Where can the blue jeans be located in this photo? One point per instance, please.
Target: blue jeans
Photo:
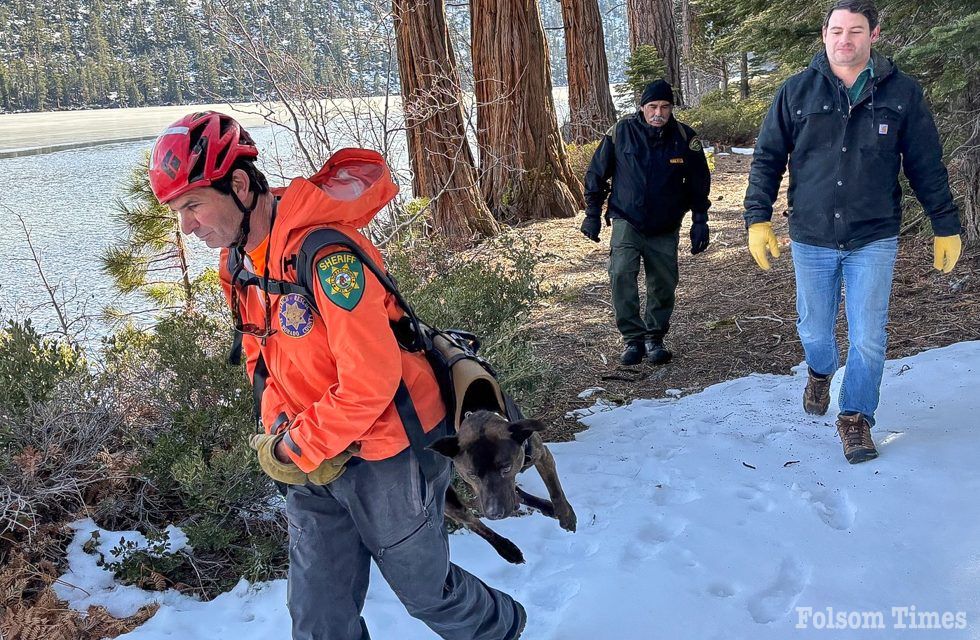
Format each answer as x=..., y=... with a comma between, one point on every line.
x=866, y=274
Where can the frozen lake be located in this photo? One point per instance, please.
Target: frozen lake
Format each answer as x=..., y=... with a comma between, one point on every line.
x=67, y=198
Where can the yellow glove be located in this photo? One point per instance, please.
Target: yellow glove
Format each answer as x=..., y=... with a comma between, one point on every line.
x=265, y=445
x=762, y=238
x=332, y=468
x=947, y=250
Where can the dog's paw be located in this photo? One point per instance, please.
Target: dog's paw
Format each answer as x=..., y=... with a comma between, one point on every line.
x=566, y=519
x=509, y=552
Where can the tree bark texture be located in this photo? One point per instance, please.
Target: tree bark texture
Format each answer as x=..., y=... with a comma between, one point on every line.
x=441, y=160
x=652, y=22
x=743, y=84
x=966, y=172
x=687, y=69
x=524, y=172
x=590, y=104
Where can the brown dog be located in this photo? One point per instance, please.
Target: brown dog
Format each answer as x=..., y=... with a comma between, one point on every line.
x=489, y=452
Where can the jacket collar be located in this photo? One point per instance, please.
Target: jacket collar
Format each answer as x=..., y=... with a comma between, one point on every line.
x=883, y=67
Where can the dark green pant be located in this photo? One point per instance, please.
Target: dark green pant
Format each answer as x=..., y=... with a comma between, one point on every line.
x=659, y=254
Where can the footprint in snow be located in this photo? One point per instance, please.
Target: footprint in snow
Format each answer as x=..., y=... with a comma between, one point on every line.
x=679, y=491
x=666, y=453
x=755, y=497
x=721, y=590
x=834, y=507
x=555, y=594
x=650, y=539
x=777, y=600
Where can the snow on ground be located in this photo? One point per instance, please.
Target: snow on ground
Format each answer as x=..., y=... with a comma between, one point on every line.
x=725, y=514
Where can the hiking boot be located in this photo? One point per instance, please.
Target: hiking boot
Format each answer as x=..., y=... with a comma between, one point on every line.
x=855, y=434
x=657, y=353
x=816, y=396
x=632, y=354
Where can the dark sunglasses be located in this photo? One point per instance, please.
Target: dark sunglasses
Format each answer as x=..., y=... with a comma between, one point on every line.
x=248, y=328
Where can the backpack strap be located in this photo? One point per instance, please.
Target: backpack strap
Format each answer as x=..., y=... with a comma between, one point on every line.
x=682, y=131
x=316, y=240
x=244, y=278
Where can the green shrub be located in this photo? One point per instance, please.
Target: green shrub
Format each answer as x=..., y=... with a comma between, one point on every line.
x=724, y=119
x=151, y=566
x=55, y=429
x=643, y=66
x=189, y=417
x=32, y=367
x=489, y=292
x=580, y=155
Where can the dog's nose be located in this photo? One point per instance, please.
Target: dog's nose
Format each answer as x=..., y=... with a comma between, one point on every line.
x=495, y=512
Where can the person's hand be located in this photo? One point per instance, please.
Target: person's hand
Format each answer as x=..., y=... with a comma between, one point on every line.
x=762, y=239
x=332, y=468
x=947, y=251
x=267, y=446
x=591, y=226
x=699, y=237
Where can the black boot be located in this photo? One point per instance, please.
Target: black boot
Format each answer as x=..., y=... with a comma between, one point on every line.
x=657, y=353
x=632, y=354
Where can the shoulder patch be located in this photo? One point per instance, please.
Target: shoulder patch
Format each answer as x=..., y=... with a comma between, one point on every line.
x=295, y=315
x=341, y=277
x=696, y=145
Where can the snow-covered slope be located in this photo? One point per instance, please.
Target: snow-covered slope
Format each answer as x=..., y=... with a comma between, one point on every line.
x=725, y=514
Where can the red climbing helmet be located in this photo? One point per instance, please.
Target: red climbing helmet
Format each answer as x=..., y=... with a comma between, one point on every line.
x=196, y=151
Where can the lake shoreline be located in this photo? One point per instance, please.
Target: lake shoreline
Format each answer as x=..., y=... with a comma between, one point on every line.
x=33, y=133
x=40, y=132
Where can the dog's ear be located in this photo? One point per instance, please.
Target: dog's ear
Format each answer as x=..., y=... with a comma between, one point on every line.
x=448, y=446
x=524, y=429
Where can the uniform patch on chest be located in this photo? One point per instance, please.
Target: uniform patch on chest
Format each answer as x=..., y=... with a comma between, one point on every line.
x=341, y=277
x=677, y=161
x=295, y=315
x=882, y=129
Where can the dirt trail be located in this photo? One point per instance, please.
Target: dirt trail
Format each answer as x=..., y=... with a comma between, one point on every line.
x=731, y=318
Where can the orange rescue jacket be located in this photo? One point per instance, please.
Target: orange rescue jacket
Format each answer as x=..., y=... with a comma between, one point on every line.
x=334, y=373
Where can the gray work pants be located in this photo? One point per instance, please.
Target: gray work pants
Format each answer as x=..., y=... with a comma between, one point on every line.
x=384, y=510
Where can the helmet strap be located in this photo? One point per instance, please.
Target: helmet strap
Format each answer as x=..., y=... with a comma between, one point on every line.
x=245, y=227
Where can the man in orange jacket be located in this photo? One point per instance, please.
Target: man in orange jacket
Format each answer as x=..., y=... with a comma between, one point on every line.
x=327, y=372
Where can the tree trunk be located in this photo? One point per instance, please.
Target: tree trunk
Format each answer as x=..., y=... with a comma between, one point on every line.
x=524, y=172
x=439, y=152
x=687, y=68
x=966, y=171
x=743, y=84
x=652, y=22
x=185, y=279
x=590, y=103
x=723, y=85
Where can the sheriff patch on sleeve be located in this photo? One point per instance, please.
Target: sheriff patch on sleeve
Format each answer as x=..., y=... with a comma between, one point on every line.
x=696, y=144
x=341, y=277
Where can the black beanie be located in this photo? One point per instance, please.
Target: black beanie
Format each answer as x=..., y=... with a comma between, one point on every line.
x=657, y=90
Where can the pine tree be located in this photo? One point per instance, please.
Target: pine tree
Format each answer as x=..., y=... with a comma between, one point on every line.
x=652, y=23
x=152, y=260
x=643, y=66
